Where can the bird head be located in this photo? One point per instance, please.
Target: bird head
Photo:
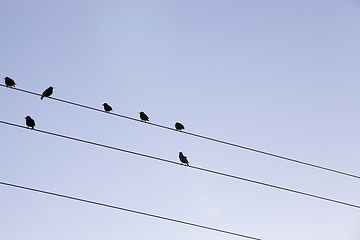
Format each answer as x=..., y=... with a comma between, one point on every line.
x=27, y=117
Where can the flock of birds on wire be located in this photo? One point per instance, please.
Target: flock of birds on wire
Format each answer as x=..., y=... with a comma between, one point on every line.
x=30, y=123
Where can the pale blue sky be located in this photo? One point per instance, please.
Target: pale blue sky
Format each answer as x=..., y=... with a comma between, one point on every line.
x=279, y=76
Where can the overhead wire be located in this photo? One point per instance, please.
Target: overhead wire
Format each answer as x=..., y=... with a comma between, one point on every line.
x=196, y=135
x=129, y=210
x=190, y=166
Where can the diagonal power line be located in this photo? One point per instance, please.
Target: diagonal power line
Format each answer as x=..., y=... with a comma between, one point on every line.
x=128, y=210
x=197, y=135
x=193, y=167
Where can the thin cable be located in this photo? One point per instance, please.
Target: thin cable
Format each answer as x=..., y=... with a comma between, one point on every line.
x=128, y=210
x=197, y=135
x=194, y=167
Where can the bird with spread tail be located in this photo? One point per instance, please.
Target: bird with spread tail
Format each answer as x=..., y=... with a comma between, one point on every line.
x=47, y=92
x=9, y=82
x=183, y=159
x=30, y=122
x=107, y=107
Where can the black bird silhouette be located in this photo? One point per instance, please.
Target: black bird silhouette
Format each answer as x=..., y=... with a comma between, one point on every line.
x=9, y=82
x=30, y=122
x=183, y=159
x=47, y=92
x=107, y=107
x=144, y=117
x=179, y=126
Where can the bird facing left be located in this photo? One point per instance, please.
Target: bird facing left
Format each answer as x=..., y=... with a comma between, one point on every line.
x=9, y=82
x=143, y=117
x=30, y=122
x=183, y=159
x=179, y=126
x=107, y=107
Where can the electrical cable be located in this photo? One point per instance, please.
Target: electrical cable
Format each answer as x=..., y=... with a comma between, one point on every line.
x=196, y=135
x=194, y=167
x=128, y=210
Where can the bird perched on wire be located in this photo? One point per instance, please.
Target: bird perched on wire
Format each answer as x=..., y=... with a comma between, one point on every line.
x=144, y=117
x=47, y=92
x=30, y=122
x=183, y=159
x=179, y=126
x=107, y=107
x=9, y=82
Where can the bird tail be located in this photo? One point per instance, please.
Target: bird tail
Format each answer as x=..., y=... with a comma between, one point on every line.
x=42, y=97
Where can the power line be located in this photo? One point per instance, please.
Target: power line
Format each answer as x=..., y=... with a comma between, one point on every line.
x=194, y=167
x=128, y=210
x=197, y=135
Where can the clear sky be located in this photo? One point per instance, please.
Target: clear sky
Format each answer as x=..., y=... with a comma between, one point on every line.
x=279, y=76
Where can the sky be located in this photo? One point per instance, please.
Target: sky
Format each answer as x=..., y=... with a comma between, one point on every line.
x=278, y=76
